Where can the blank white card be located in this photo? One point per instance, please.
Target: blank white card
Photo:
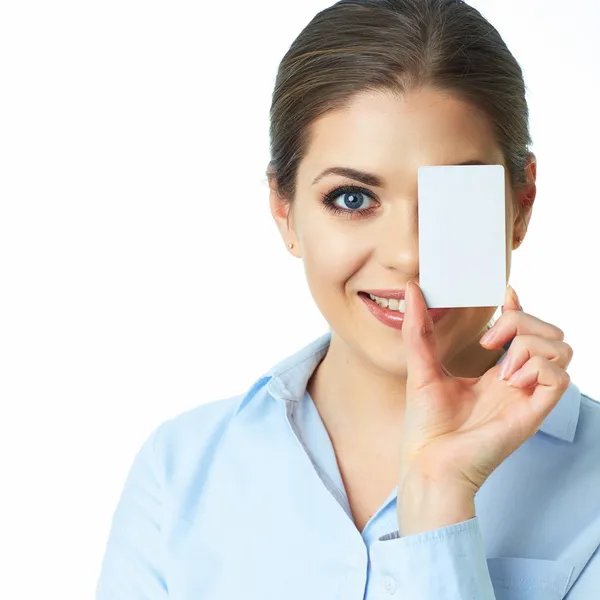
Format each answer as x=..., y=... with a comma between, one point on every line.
x=462, y=235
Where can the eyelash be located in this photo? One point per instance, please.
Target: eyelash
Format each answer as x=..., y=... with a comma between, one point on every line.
x=329, y=197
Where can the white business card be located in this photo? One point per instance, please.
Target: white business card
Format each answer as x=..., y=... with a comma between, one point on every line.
x=462, y=235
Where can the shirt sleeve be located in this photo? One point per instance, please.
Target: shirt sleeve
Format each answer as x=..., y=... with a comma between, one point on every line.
x=132, y=567
x=448, y=562
x=585, y=580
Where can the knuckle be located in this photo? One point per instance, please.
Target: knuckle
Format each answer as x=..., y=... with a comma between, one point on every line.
x=517, y=343
x=503, y=320
x=539, y=361
x=525, y=343
x=511, y=315
x=426, y=330
x=569, y=350
x=564, y=379
x=520, y=348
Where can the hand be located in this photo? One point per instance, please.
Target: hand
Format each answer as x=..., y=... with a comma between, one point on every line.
x=457, y=430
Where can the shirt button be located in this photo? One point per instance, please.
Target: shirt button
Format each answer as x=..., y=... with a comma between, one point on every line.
x=389, y=584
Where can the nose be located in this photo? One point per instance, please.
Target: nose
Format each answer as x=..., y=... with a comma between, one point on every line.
x=397, y=244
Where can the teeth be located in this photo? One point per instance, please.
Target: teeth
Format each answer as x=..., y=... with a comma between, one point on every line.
x=391, y=304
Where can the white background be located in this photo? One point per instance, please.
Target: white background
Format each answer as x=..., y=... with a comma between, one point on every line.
x=140, y=271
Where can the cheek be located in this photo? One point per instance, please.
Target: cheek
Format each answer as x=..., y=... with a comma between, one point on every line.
x=331, y=257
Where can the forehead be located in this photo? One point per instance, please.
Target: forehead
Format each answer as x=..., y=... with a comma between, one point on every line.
x=388, y=134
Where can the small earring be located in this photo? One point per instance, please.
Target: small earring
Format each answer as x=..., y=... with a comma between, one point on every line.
x=518, y=240
x=290, y=245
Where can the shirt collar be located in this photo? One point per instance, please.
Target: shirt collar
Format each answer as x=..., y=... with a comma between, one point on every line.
x=287, y=381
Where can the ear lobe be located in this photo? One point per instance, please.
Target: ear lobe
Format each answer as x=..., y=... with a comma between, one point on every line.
x=281, y=212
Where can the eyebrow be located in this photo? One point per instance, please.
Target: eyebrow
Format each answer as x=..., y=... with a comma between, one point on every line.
x=371, y=178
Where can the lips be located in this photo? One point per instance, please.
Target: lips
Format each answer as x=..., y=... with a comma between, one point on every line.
x=389, y=294
x=394, y=318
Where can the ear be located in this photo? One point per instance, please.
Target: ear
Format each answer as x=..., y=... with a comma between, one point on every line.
x=281, y=210
x=525, y=199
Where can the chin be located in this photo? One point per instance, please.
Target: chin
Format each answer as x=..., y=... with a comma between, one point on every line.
x=385, y=350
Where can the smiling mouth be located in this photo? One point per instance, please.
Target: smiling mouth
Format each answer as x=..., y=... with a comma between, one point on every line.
x=389, y=309
x=389, y=303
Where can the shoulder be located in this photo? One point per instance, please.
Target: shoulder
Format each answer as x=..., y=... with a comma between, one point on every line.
x=204, y=425
x=188, y=447
x=197, y=430
x=587, y=419
x=168, y=473
x=591, y=406
x=194, y=425
x=186, y=443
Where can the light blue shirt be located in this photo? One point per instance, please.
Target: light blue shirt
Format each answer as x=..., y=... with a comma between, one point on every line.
x=242, y=499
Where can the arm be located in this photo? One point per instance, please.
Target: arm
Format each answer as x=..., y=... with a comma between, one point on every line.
x=438, y=552
x=132, y=567
x=585, y=578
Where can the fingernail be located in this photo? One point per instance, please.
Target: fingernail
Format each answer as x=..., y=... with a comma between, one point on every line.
x=489, y=335
x=514, y=377
x=516, y=297
x=504, y=368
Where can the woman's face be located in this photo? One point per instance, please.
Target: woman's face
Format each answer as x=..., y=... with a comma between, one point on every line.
x=366, y=237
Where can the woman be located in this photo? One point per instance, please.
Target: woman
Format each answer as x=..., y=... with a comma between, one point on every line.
x=394, y=455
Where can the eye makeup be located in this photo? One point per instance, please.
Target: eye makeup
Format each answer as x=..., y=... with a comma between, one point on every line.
x=329, y=201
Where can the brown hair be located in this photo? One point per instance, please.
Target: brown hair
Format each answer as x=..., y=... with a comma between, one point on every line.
x=395, y=46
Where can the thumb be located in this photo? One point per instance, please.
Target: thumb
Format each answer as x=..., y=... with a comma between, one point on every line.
x=422, y=365
x=511, y=300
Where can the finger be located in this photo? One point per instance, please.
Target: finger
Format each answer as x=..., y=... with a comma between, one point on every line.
x=422, y=365
x=516, y=322
x=525, y=347
x=511, y=300
x=550, y=380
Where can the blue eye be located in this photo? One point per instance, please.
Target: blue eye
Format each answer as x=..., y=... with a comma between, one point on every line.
x=349, y=199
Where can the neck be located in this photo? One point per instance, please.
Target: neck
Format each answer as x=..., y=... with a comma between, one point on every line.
x=356, y=398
